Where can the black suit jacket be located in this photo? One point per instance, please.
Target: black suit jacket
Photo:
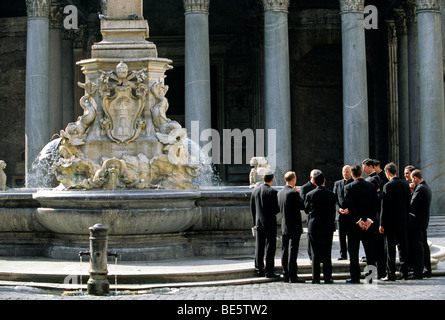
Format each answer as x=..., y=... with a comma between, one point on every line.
x=339, y=190
x=290, y=204
x=320, y=205
x=305, y=189
x=264, y=206
x=383, y=179
x=420, y=206
x=361, y=200
x=396, y=198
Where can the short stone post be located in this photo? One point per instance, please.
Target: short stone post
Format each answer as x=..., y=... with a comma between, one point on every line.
x=98, y=284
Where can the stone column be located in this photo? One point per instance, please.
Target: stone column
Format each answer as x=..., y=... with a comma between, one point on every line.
x=432, y=114
x=277, y=111
x=37, y=86
x=413, y=81
x=393, y=95
x=55, y=67
x=197, y=66
x=67, y=78
x=355, y=91
x=403, y=86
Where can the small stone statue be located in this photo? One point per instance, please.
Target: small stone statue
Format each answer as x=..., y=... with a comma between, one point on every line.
x=2, y=176
x=260, y=167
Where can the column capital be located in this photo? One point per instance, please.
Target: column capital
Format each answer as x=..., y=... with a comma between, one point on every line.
x=38, y=8
x=410, y=9
x=276, y=5
x=428, y=5
x=56, y=15
x=352, y=5
x=196, y=6
x=391, y=32
x=400, y=21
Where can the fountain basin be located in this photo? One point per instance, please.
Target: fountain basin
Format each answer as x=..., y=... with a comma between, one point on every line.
x=145, y=225
x=123, y=212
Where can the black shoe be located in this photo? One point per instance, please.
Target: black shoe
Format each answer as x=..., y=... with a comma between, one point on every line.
x=286, y=279
x=342, y=258
x=297, y=280
x=427, y=274
x=316, y=281
x=352, y=281
x=402, y=277
x=272, y=275
x=415, y=277
x=330, y=281
x=260, y=273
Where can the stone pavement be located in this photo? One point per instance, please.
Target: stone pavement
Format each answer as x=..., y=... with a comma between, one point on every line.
x=206, y=279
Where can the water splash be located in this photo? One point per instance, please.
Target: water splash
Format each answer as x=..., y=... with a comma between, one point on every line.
x=40, y=174
x=208, y=177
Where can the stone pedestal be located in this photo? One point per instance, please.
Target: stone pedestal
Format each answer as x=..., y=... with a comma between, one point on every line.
x=355, y=91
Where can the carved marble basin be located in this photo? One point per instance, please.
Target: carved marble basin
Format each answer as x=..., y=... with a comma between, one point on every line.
x=123, y=212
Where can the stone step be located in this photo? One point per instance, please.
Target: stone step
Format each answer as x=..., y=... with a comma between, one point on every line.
x=437, y=224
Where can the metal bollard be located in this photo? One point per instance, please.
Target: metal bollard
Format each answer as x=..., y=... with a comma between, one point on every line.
x=97, y=283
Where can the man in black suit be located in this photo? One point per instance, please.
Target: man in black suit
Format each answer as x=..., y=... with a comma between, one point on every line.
x=304, y=190
x=360, y=203
x=380, y=173
x=264, y=208
x=339, y=190
x=396, y=199
x=418, y=225
x=320, y=204
x=368, y=168
x=290, y=204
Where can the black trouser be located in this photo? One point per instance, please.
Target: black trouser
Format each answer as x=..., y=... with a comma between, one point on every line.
x=367, y=237
x=426, y=252
x=266, y=242
x=342, y=231
x=397, y=238
x=416, y=242
x=321, y=246
x=290, y=245
x=380, y=254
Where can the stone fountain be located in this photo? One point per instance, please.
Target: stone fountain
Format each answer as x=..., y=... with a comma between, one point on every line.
x=124, y=139
x=126, y=165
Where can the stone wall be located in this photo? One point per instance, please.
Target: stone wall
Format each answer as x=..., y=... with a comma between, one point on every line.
x=316, y=93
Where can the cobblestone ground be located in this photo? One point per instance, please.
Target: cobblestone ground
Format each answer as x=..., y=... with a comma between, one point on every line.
x=427, y=289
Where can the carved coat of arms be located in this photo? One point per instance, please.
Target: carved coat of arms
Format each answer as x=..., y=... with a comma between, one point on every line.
x=123, y=100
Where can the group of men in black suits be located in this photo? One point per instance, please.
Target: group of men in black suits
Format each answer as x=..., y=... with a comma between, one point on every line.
x=383, y=212
x=317, y=201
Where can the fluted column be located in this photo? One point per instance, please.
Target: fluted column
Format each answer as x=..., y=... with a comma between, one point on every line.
x=197, y=66
x=403, y=86
x=432, y=113
x=393, y=95
x=68, y=77
x=355, y=92
x=37, y=85
x=413, y=81
x=277, y=87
